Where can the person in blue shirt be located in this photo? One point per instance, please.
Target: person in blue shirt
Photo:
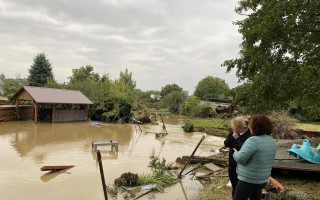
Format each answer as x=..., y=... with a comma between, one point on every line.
x=255, y=159
x=235, y=139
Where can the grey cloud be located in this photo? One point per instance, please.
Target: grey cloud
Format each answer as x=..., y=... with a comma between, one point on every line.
x=179, y=41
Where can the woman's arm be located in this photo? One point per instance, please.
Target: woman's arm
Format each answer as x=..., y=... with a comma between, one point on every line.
x=229, y=141
x=248, y=149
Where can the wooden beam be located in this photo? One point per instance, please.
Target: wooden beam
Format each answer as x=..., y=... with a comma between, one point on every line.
x=53, y=112
x=35, y=117
x=56, y=167
x=17, y=107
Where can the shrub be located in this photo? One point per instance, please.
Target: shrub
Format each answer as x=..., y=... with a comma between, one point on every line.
x=188, y=127
x=206, y=111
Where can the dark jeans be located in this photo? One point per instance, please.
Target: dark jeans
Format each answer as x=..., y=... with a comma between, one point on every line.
x=246, y=190
x=233, y=176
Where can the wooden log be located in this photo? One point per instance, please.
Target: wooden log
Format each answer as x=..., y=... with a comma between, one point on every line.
x=203, y=160
x=56, y=167
x=104, y=186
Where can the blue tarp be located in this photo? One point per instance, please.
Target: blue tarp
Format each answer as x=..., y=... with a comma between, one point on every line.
x=305, y=152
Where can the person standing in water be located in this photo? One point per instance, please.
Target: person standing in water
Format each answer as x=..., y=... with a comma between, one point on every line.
x=235, y=139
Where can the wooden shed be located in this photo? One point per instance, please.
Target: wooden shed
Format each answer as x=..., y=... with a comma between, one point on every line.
x=55, y=105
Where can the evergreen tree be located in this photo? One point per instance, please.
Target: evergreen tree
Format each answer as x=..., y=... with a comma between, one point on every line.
x=40, y=72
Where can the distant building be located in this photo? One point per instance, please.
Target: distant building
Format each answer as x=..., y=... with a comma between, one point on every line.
x=156, y=97
x=222, y=105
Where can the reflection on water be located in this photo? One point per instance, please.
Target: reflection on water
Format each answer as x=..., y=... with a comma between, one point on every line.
x=26, y=147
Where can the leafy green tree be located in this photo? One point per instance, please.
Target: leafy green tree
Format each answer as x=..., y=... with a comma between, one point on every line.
x=142, y=100
x=51, y=83
x=211, y=87
x=190, y=106
x=170, y=88
x=126, y=78
x=12, y=85
x=122, y=91
x=174, y=100
x=90, y=84
x=84, y=73
x=40, y=72
x=280, y=53
x=112, y=99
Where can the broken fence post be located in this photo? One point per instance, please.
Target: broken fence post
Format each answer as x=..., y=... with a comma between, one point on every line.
x=102, y=175
x=179, y=176
x=163, y=126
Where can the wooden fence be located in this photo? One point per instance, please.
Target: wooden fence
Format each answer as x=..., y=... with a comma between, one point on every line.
x=71, y=115
x=9, y=113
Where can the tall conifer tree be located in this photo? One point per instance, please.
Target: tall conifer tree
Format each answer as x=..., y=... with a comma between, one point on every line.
x=40, y=72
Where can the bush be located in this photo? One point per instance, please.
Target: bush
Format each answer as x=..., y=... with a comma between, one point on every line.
x=188, y=127
x=206, y=111
x=311, y=113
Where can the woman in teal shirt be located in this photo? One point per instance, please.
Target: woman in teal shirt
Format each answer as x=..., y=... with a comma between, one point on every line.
x=255, y=159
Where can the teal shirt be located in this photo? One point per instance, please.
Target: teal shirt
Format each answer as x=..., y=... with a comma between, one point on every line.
x=255, y=159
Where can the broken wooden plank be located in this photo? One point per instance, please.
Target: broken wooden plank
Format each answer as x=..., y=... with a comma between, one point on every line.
x=212, y=167
x=203, y=160
x=56, y=167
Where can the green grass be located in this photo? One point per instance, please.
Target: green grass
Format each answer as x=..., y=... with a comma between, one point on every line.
x=221, y=123
x=217, y=189
x=214, y=123
x=162, y=180
x=312, y=126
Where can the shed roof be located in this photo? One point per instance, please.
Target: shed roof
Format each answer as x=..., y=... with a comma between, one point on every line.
x=53, y=95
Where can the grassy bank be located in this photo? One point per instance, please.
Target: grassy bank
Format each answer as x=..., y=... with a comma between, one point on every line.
x=218, y=123
x=299, y=182
x=312, y=126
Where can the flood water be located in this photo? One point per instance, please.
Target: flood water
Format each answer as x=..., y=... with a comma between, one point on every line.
x=25, y=147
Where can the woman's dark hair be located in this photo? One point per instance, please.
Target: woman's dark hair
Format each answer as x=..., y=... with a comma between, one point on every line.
x=260, y=125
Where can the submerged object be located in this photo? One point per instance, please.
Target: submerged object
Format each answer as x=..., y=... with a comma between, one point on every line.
x=56, y=167
x=305, y=152
x=95, y=123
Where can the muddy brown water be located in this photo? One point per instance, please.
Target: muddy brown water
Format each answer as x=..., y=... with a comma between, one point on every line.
x=25, y=147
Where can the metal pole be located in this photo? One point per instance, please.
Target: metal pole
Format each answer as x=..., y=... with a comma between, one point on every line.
x=179, y=176
x=102, y=176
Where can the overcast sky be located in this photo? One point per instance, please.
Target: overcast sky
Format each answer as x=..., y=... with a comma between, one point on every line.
x=160, y=41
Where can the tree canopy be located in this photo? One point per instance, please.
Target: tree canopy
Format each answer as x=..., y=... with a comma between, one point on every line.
x=280, y=53
x=211, y=87
x=174, y=100
x=40, y=71
x=83, y=73
x=11, y=85
x=170, y=88
x=126, y=78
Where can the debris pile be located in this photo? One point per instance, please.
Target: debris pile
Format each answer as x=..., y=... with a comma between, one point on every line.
x=127, y=179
